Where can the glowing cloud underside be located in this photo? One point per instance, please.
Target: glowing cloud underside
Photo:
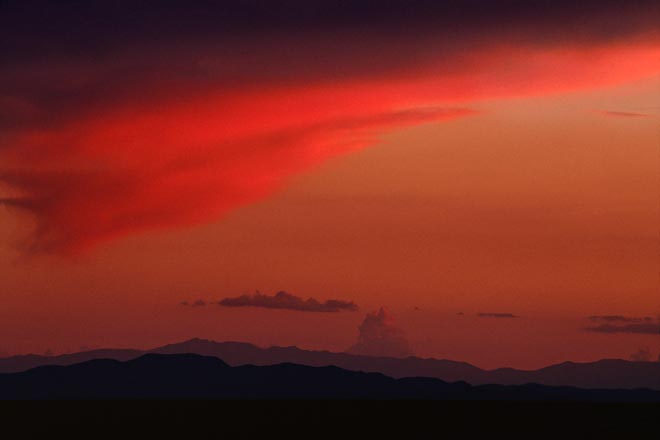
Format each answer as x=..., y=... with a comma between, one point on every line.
x=151, y=133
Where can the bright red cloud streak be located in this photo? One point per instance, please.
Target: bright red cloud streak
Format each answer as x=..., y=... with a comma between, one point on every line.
x=178, y=156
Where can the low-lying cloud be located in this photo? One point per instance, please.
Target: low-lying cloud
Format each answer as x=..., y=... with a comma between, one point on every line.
x=642, y=329
x=379, y=336
x=497, y=315
x=620, y=318
x=287, y=301
x=620, y=114
x=198, y=303
x=641, y=355
x=644, y=325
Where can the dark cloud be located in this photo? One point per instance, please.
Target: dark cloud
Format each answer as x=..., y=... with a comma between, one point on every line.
x=284, y=300
x=80, y=28
x=643, y=329
x=641, y=355
x=619, y=319
x=379, y=336
x=645, y=325
x=198, y=303
x=497, y=315
x=122, y=117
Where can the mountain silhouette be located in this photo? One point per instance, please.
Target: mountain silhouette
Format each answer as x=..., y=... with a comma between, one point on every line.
x=606, y=374
x=195, y=376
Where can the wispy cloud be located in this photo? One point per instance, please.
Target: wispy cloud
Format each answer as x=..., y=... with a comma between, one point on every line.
x=621, y=114
x=643, y=329
x=161, y=117
x=620, y=318
x=645, y=325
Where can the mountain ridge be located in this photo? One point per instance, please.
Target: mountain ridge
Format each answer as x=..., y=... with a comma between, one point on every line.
x=177, y=376
x=604, y=373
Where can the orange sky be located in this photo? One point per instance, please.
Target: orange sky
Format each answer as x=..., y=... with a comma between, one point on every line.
x=542, y=207
x=445, y=162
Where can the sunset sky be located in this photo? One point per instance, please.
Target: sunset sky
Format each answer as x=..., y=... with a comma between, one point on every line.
x=489, y=172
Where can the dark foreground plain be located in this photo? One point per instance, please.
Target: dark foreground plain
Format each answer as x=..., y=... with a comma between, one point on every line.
x=192, y=396
x=311, y=419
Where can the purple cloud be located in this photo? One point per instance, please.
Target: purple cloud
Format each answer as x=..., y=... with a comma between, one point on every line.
x=287, y=301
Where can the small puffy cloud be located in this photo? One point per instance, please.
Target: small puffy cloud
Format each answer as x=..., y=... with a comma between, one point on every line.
x=641, y=355
x=379, y=336
x=198, y=303
x=496, y=315
x=287, y=301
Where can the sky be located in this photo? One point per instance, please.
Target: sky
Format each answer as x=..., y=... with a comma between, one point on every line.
x=487, y=173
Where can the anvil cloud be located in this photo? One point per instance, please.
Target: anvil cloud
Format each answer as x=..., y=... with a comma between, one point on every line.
x=117, y=118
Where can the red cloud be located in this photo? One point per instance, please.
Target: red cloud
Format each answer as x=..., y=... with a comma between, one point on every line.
x=171, y=135
x=97, y=180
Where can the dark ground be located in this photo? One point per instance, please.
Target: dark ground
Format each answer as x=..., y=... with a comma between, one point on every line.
x=126, y=419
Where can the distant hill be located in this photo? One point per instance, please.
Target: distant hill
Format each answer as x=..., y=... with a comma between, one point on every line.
x=610, y=373
x=15, y=364
x=194, y=376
